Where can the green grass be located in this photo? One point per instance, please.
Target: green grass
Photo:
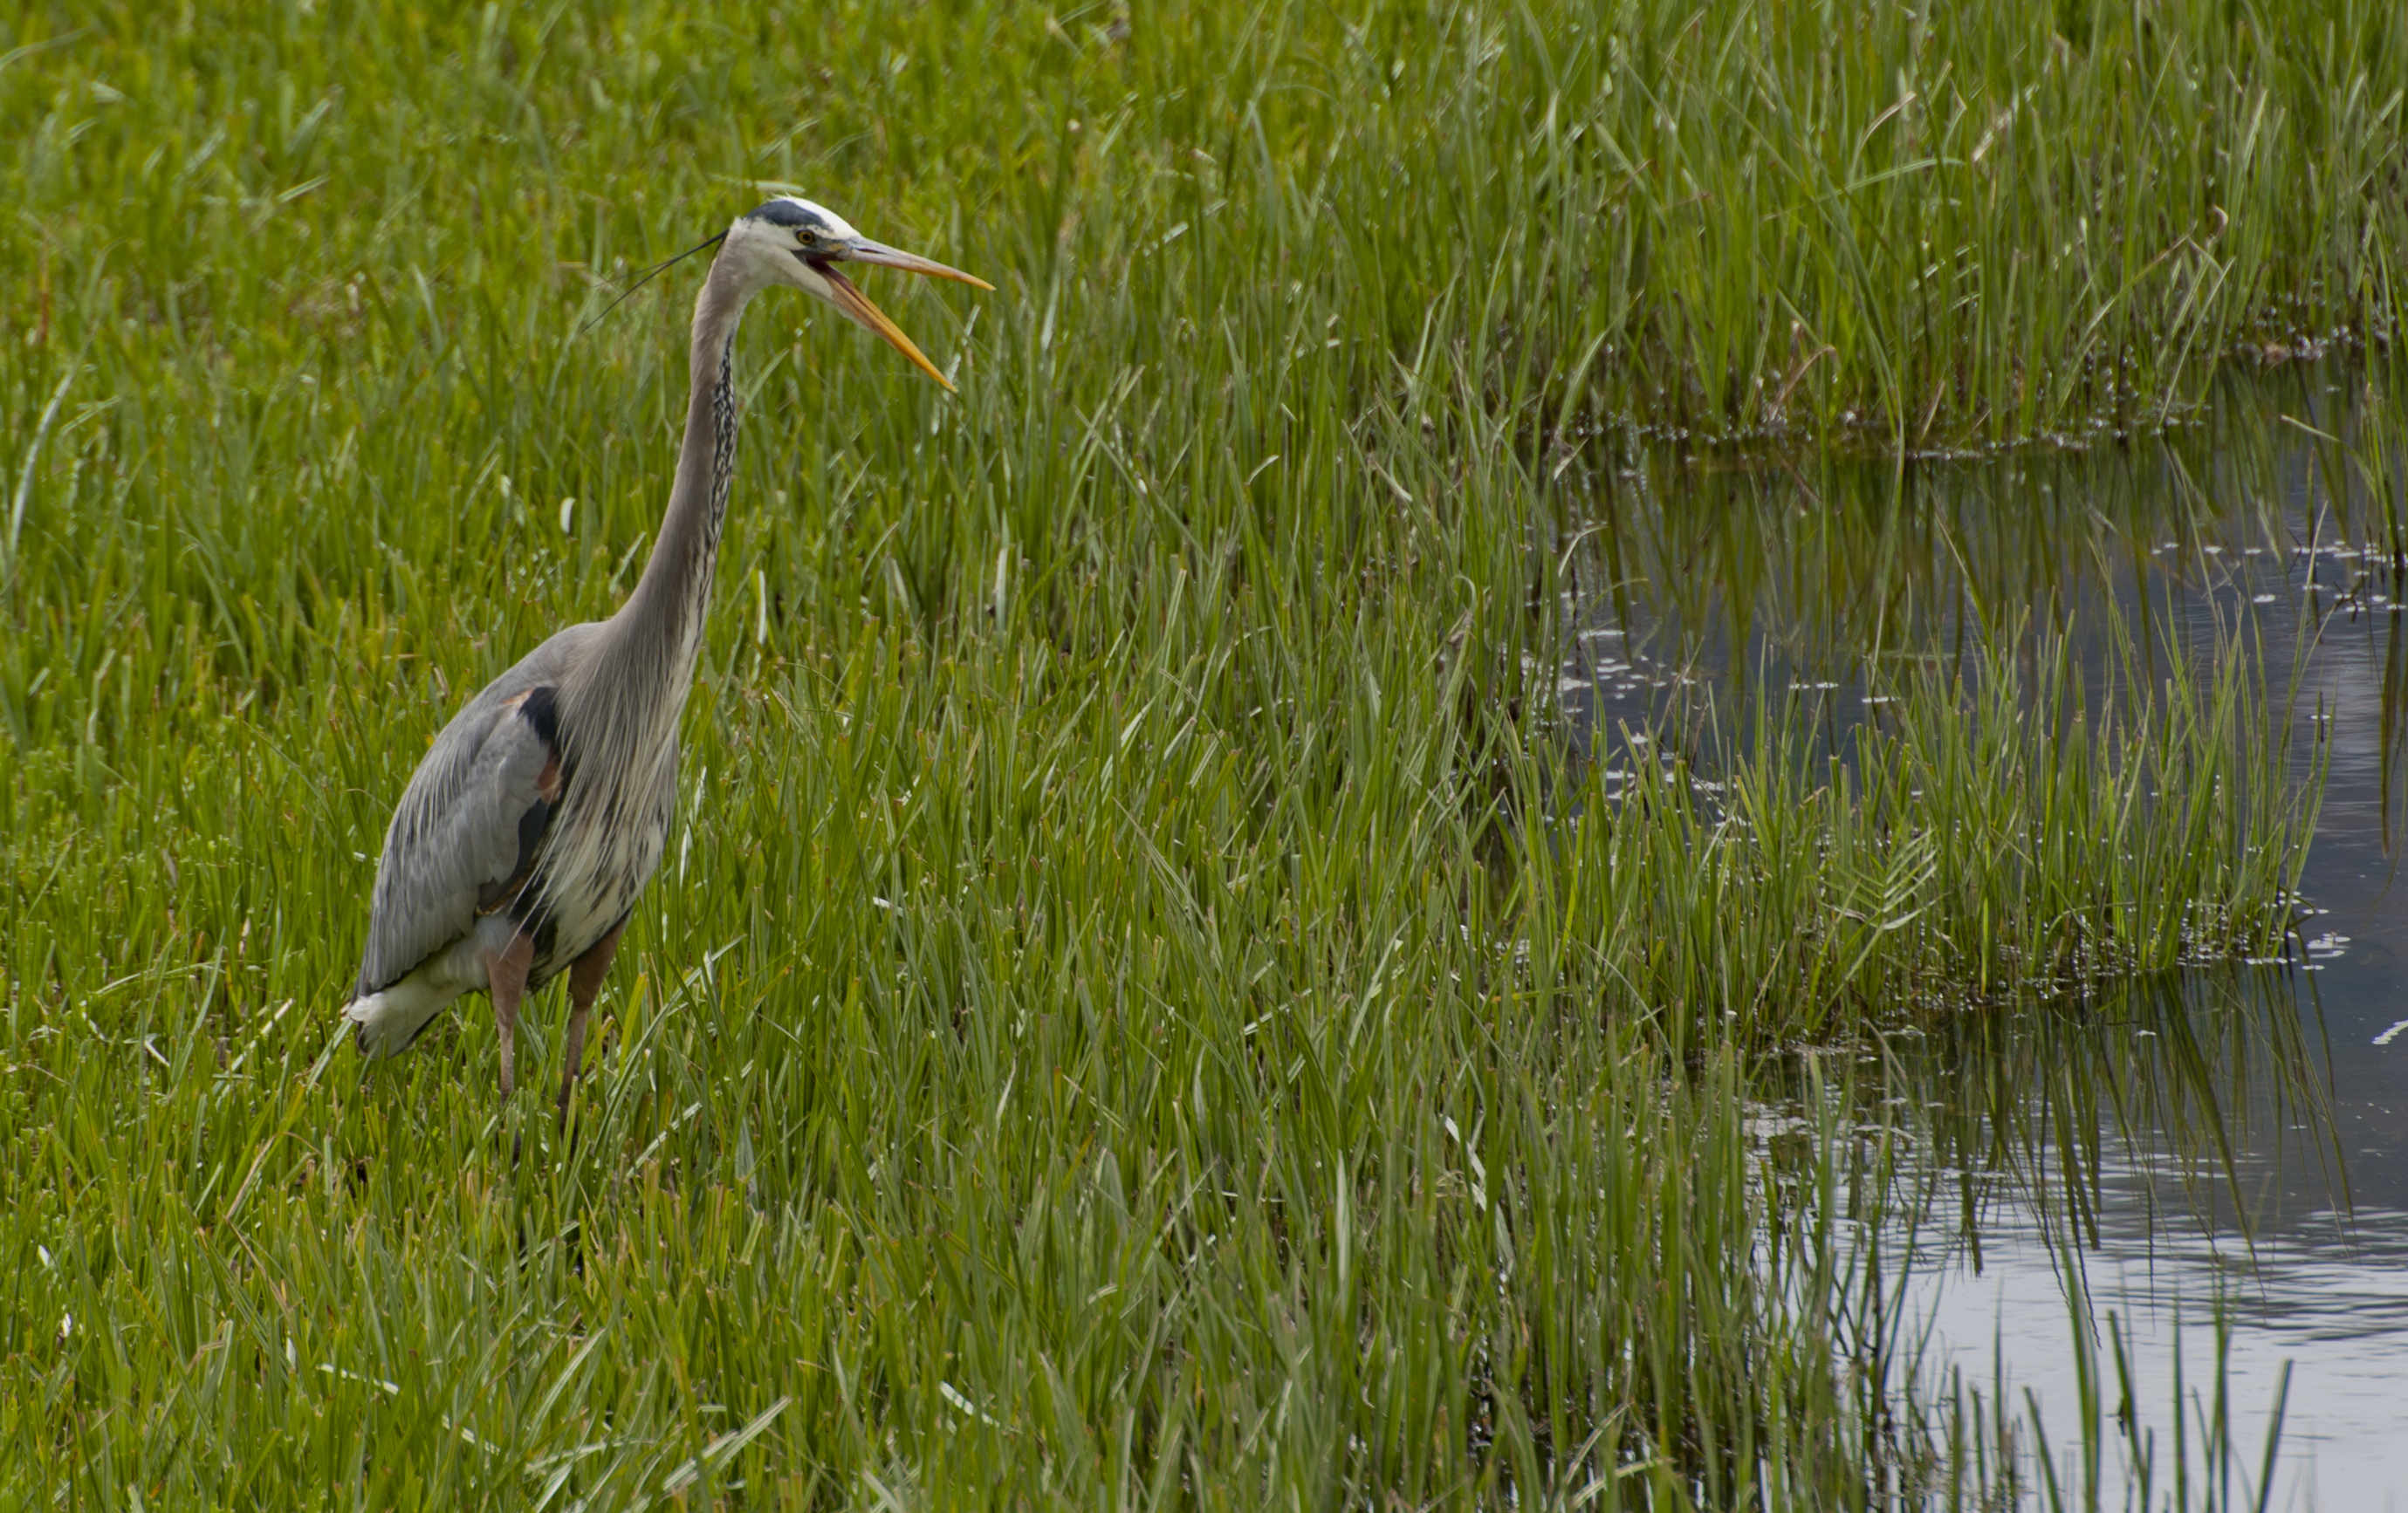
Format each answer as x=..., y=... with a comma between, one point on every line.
x=1141, y=1007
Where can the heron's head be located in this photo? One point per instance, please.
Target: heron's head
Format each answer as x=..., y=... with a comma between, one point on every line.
x=795, y=242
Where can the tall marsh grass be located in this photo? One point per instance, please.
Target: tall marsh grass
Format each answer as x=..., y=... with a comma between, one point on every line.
x=1138, y=1008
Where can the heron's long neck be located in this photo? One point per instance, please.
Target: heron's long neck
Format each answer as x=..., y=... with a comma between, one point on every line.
x=660, y=627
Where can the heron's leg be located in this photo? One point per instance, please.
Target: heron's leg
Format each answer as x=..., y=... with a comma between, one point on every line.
x=586, y=976
x=505, y=975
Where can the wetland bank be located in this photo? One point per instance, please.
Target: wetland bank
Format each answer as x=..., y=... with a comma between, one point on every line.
x=1274, y=905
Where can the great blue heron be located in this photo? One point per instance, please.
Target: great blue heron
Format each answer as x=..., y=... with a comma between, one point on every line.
x=525, y=837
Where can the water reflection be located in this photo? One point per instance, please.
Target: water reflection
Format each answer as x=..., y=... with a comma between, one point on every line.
x=2218, y=1159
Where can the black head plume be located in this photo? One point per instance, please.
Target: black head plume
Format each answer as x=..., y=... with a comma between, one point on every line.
x=647, y=276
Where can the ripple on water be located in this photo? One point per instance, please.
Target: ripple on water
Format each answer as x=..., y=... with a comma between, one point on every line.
x=2264, y=1181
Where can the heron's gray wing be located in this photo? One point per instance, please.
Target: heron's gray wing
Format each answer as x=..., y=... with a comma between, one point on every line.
x=465, y=834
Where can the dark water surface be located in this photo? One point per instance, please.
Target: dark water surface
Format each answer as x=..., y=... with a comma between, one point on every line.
x=2211, y=1163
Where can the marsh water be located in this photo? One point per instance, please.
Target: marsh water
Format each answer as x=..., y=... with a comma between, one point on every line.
x=2154, y=1225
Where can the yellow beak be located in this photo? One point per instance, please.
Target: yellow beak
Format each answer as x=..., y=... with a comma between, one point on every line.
x=847, y=296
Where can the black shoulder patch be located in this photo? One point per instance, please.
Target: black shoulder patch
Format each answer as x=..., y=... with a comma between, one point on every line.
x=541, y=709
x=499, y=893
x=531, y=825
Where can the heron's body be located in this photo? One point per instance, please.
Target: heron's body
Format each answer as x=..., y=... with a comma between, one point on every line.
x=526, y=835
x=459, y=881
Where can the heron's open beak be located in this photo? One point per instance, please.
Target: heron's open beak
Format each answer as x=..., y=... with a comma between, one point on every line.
x=848, y=297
